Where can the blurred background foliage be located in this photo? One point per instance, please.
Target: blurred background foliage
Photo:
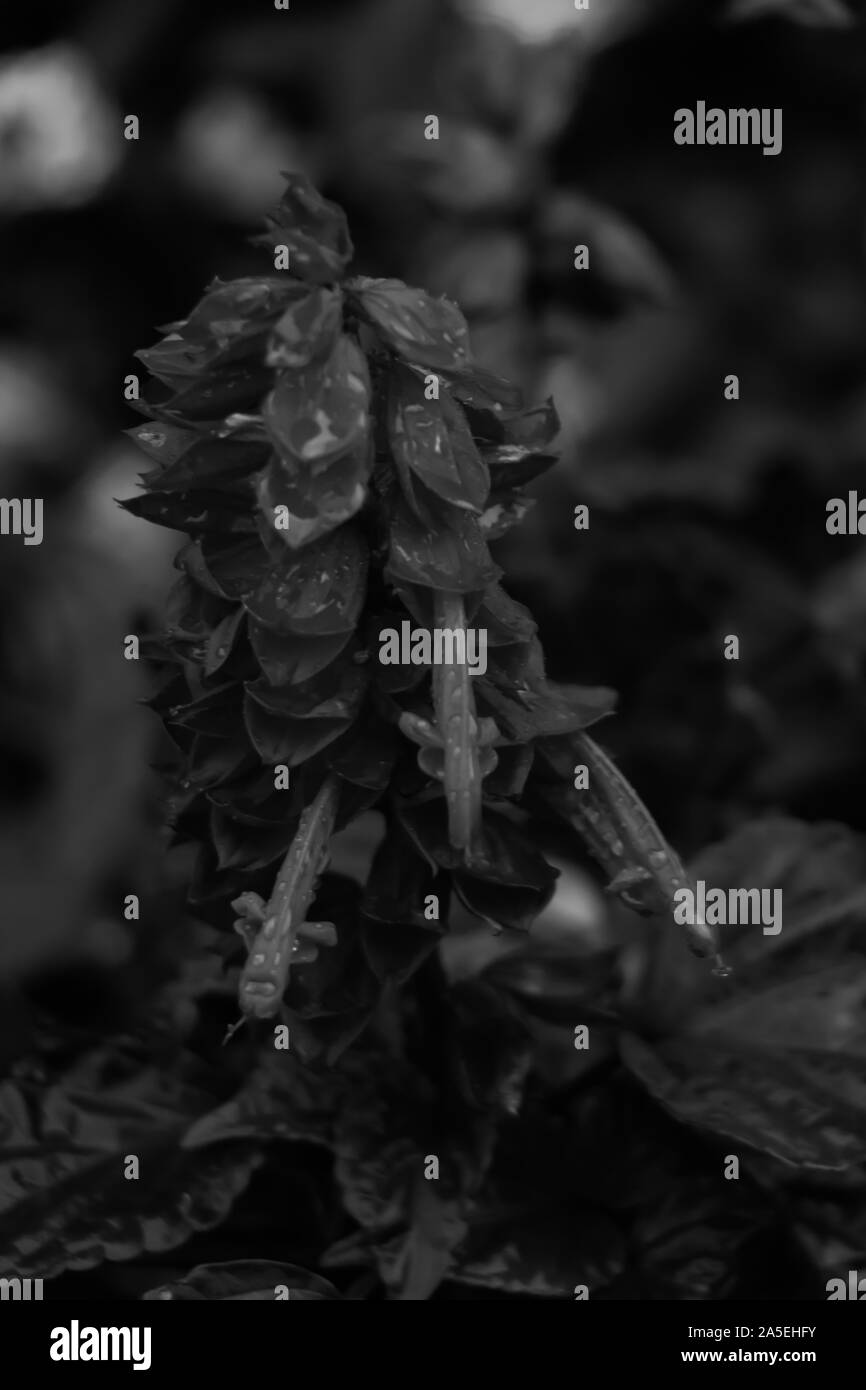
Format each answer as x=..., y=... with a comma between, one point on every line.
x=707, y=516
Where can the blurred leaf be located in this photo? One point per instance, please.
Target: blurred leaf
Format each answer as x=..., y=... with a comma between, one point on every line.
x=622, y=256
x=516, y=1223
x=70, y=1135
x=803, y=1102
x=246, y=1281
x=834, y=13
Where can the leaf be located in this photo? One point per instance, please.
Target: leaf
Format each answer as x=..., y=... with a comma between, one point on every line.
x=780, y=1070
x=506, y=881
x=208, y=463
x=315, y=503
x=533, y=428
x=513, y=465
x=515, y=1241
x=194, y=512
x=235, y=565
x=233, y=316
x=214, y=713
x=69, y=1135
x=280, y=1098
x=538, y=708
x=399, y=881
x=223, y=641
x=315, y=415
x=623, y=257
x=240, y=847
x=485, y=392
x=313, y=228
x=505, y=620
x=473, y=172
x=366, y=756
x=556, y=985
x=834, y=13
x=383, y=1133
x=530, y=429
x=164, y=443
x=214, y=761
x=285, y=729
x=286, y=658
x=218, y=394
x=432, y=440
x=490, y=1080
x=817, y=868
x=315, y=593
x=342, y=681
x=307, y=331
x=174, y=361
x=453, y=556
x=246, y=1281
x=421, y=330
